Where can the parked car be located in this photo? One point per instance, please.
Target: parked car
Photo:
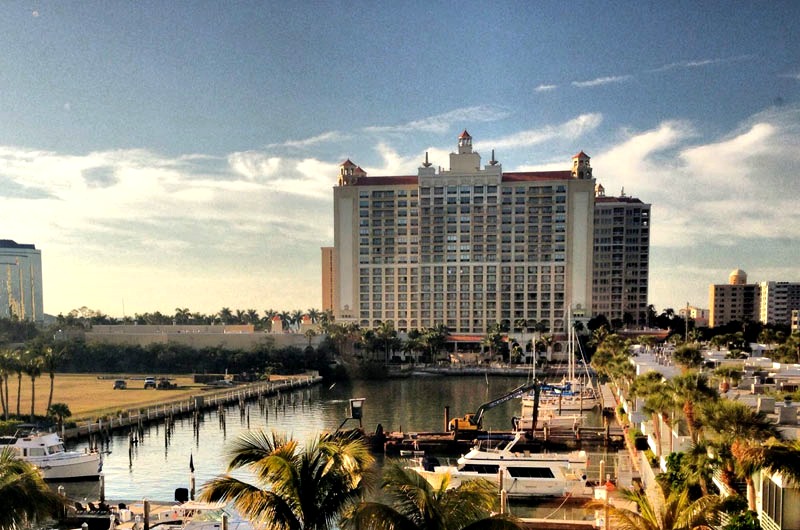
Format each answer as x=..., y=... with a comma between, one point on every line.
x=165, y=384
x=149, y=382
x=120, y=384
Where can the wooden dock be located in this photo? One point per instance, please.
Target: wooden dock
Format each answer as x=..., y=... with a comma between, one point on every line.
x=195, y=404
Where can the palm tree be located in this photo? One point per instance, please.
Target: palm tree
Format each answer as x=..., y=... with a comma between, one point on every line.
x=688, y=389
x=60, y=411
x=658, y=401
x=773, y=456
x=296, y=487
x=417, y=505
x=225, y=315
x=677, y=512
x=182, y=315
x=52, y=358
x=24, y=496
x=735, y=427
x=18, y=367
x=32, y=366
x=313, y=314
x=297, y=317
x=6, y=368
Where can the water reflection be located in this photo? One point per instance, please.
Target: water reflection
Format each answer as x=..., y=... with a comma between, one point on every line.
x=154, y=461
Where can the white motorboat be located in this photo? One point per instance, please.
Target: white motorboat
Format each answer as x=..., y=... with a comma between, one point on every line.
x=46, y=451
x=523, y=474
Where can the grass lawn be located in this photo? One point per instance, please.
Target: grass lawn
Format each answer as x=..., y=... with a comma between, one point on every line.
x=92, y=395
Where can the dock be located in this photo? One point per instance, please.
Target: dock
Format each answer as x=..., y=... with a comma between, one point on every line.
x=170, y=409
x=459, y=442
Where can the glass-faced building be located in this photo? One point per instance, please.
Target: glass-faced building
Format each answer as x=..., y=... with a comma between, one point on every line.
x=20, y=281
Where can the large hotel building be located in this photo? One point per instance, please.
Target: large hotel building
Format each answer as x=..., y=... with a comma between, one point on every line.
x=467, y=246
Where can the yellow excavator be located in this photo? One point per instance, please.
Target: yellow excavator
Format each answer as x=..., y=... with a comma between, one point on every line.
x=474, y=421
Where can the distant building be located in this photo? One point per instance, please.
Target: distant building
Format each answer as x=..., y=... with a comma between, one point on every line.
x=328, y=275
x=20, y=281
x=778, y=299
x=770, y=302
x=735, y=301
x=698, y=314
x=466, y=247
x=621, y=258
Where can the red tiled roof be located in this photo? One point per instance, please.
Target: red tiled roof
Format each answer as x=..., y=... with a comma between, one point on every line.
x=464, y=134
x=347, y=163
x=536, y=175
x=386, y=181
x=632, y=200
x=581, y=154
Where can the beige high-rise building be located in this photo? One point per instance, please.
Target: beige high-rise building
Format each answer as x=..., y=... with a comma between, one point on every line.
x=466, y=247
x=735, y=301
x=621, y=258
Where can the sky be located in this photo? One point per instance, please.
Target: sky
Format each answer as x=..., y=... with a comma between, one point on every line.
x=183, y=154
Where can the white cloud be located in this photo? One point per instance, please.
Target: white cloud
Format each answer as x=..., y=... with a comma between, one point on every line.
x=330, y=136
x=602, y=81
x=571, y=129
x=442, y=123
x=545, y=88
x=698, y=63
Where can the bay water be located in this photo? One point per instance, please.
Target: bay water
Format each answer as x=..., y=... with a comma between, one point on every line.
x=158, y=463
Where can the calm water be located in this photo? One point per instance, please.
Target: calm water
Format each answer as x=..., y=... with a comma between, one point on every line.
x=160, y=464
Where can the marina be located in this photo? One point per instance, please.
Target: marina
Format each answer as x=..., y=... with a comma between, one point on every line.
x=156, y=466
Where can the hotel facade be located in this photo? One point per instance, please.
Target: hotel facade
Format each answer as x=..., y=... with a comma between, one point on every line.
x=466, y=247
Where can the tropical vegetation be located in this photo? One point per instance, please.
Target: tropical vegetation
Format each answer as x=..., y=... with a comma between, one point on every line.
x=411, y=503
x=24, y=496
x=296, y=486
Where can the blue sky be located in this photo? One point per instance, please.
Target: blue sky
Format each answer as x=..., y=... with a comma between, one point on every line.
x=166, y=154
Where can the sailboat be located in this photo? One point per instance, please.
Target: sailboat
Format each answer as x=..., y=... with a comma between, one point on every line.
x=573, y=394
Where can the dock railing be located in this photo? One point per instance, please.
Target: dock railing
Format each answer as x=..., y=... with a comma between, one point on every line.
x=206, y=400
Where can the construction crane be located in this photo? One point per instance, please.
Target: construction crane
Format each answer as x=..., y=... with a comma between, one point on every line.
x=474, y=421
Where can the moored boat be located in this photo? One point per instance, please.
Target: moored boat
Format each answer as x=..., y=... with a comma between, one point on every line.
x=47, y=452
x=523, y=473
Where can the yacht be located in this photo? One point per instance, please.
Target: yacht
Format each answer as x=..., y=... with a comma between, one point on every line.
x=523, y=474
x=46, y=451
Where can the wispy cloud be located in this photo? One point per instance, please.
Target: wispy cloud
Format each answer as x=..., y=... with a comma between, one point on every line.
x=330, y=136
x=698, y=63
x=795, y=76
x=545, y=88
x=602, y=81
x=571, y=129
x=444, y=122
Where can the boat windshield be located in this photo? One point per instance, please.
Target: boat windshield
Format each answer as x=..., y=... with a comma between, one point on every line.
x=57, y=448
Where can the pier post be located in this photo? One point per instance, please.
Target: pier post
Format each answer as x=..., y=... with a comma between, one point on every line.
x=146, y=508
x=446, y=418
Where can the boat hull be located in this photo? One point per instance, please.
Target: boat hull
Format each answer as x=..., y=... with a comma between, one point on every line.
x=74, y=466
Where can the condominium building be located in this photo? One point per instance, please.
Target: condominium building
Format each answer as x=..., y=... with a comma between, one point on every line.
x=770, y=302
x=20, y=281
x=777, y=301
x=466, y=247
x=735, y=301
x=621, y=258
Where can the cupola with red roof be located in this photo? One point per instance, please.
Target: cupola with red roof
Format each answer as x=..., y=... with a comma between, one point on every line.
x=349, y=173
x=581, y=168
x=464, y=143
